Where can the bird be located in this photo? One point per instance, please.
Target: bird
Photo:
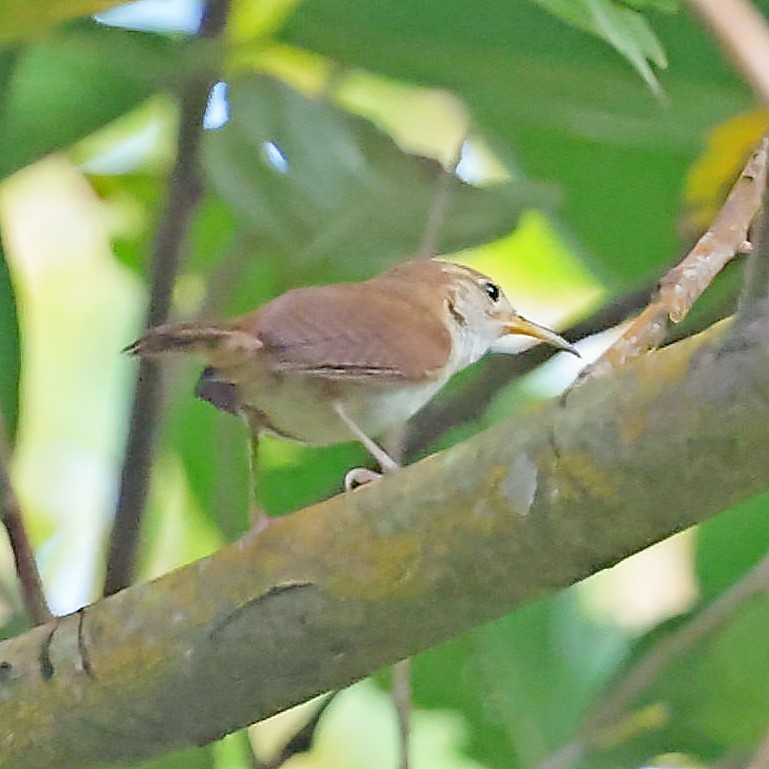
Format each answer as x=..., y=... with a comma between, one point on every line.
x=334, y=363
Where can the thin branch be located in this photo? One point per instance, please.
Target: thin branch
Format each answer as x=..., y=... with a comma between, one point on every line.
x=428, y=247
x=682, y=285
x=184, y=193
x=616, y=703
x=499, y=370
x=743, y=33
x=23, y=555
x=439, y=206
x=705, y=623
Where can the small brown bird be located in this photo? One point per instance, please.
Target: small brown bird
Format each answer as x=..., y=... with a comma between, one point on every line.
x=328, y=364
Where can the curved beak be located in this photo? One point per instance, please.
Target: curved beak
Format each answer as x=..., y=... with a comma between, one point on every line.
x=519, y=325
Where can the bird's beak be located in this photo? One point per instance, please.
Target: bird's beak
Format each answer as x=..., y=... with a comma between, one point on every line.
x=519, y=325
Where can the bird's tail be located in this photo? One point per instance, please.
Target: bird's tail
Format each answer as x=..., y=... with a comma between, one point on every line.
x=206, y=340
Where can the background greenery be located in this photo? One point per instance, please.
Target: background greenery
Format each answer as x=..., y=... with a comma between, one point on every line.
x=600, y=137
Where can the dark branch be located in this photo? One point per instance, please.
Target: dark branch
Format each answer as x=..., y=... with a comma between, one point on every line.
x=23, y=556
x=755, y=291
x=498, y=371
x=184, y=193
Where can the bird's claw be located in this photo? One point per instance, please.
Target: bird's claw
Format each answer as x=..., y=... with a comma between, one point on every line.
x=359, y=476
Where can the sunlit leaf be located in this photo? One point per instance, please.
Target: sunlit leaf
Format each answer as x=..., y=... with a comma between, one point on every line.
x=67, y=87
x=322, y=186
x=550, y=100
x=710, y=177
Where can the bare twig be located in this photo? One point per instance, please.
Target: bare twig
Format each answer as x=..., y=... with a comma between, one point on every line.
x=439, y=206
x=707, y=622
x=23, y=556
x=615, y=704
x=183, y=195
x=685, y=283
x=743, y=33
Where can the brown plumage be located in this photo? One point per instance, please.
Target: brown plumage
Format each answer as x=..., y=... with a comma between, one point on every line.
x=377, y=351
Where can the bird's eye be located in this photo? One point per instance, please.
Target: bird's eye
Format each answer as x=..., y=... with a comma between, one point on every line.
x=492, y=291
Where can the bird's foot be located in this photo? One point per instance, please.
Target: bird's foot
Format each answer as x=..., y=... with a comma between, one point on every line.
x=359, y=476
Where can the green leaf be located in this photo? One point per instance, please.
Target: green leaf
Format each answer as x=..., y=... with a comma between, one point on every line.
x=624, y=29
x=214, y=450
x=194, y=758
x=521, y=683
x=730, y=544
x=709, y=701
x=67, y=87
x=344, y=192
x=14, y=625
x=553, y=102
x=665, y=6
x=10, y=350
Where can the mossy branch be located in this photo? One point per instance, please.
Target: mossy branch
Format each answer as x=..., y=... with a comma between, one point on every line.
x=335, y=591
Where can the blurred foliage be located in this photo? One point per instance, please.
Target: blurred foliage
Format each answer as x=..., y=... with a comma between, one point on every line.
x=31, y=20
x=524, y=681
x=611, y=164
x=563, y=109
x=60, y=90
x=10, y=353
x=624, y=29
x=361, y=196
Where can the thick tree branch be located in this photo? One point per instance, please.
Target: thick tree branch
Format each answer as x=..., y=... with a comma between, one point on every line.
x=184, y=192
x=327, y=595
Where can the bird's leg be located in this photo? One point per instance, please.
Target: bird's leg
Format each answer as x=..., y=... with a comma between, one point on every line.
x=360, y=475
x=386, y=462
x=259, y=518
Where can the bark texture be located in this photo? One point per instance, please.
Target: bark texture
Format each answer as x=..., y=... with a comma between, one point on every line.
x=335, y=591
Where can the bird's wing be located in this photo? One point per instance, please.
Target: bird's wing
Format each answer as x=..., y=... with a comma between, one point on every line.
x=340, y=333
